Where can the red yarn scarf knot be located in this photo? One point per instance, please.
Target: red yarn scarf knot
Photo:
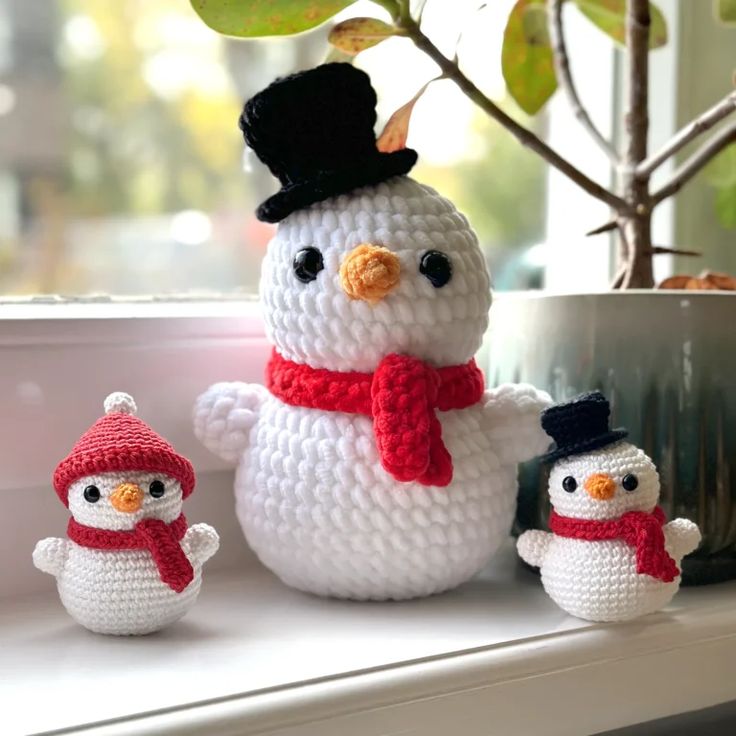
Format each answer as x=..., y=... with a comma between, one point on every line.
x=158, y=537
x=639, y=529
x=401, y=396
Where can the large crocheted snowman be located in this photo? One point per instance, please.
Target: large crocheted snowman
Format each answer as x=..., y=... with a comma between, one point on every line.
x=610, y=556
x=131, y=564
x=373, y=464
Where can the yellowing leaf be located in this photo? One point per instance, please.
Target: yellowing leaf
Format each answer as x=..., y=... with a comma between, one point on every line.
x=610, y=17
x=254, y=18
x=357, y=34
x=526, y=56
x=726, y=10
x=394, y=135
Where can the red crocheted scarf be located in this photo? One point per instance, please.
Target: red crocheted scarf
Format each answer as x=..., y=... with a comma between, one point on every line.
x=158, y=537
x=638, y=529
x=401, y=396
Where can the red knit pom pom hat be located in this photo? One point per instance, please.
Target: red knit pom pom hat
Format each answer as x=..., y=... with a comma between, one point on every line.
x=120, y=441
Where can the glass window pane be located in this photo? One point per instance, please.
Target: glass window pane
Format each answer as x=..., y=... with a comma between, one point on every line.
x=122, y=168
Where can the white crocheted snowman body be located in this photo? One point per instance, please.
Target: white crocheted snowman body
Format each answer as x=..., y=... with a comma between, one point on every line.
x=599, y=580
x=120, y=592
x=312, y=496
x=321, y=512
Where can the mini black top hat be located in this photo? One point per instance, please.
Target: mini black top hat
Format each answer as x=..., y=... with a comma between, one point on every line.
x=314, y=131
x=579, y=426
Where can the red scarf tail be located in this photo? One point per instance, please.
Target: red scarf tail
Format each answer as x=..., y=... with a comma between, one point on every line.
x=173, y=565
x=408, y=432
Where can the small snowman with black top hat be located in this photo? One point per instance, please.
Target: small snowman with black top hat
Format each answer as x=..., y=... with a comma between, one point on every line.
x=609, y=556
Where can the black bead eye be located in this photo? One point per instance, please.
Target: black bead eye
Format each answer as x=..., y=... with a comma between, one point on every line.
x=92, y=494
x=436, y=267
x=307, y=264
x=630, y=482
x=569, y=484
x=157, y=489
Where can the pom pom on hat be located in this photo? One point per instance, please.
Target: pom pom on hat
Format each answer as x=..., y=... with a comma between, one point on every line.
x=121, y=403
x=120, y=441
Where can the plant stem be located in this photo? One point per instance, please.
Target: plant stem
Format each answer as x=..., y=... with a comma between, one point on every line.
x=695, y=163
x=637, y=226
x=565, y=80
x=704, y=122
x=525, y=136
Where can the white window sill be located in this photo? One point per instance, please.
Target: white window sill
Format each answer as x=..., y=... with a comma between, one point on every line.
x=255, y=657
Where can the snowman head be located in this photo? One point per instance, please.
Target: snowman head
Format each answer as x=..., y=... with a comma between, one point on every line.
x=604, y=483
x=120, y=472
x=389, y=268
x=365, y=261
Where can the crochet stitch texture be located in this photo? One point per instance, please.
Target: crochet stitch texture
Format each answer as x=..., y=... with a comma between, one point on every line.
x=400, y=397
x=610, y=555
x=314, y=131
x=131, y=564
x=313, y=498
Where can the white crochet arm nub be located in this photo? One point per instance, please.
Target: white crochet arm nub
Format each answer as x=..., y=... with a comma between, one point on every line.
x=200, y=542
x=682, y=537
x=224, y=415
x=50, y=555
x=532, y=546
x=512, y=419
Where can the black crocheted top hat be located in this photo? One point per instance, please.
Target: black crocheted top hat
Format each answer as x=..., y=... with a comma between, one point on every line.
x=314, y=131
x=579, y=426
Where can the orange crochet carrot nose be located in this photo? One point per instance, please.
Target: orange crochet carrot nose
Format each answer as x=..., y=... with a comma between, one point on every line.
x=369, y=272
x=600, y=486
x=127, y=497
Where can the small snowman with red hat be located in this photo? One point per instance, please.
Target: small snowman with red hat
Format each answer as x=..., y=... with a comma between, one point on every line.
x=610, y=556
x=131, y=564
x=374, y=464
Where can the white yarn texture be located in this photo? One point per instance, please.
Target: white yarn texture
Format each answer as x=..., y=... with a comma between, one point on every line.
x=311, y=495
x=120, y=591
x=598, y=580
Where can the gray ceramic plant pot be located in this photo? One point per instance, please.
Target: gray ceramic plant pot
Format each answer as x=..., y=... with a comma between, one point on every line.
x=667, y=362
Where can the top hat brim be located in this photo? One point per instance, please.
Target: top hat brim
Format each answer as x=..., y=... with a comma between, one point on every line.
x=326, y=184
x=587, y=445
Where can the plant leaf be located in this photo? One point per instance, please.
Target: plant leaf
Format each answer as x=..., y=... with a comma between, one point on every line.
x=395, y=132
x=726, y=206
x=526, y=56
x=610, y=17
x=357, y=34
x=726, y=10
x=255, y=18
x=721, y=171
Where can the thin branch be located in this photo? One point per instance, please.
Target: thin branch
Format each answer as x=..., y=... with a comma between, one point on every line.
x=692, y=130
x=618, y=279
x=638, y=22
x=525, y=136
x=695, y=163
x=565, y=80
x=662, y=249
x=607, y=227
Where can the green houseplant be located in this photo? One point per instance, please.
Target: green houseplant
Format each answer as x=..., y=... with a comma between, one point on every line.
x=673, y=385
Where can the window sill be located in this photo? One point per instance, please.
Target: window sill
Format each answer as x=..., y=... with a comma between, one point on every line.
x=255, y=657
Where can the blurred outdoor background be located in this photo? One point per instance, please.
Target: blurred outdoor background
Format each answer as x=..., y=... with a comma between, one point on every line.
x=123, y=172
x=122, y=169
